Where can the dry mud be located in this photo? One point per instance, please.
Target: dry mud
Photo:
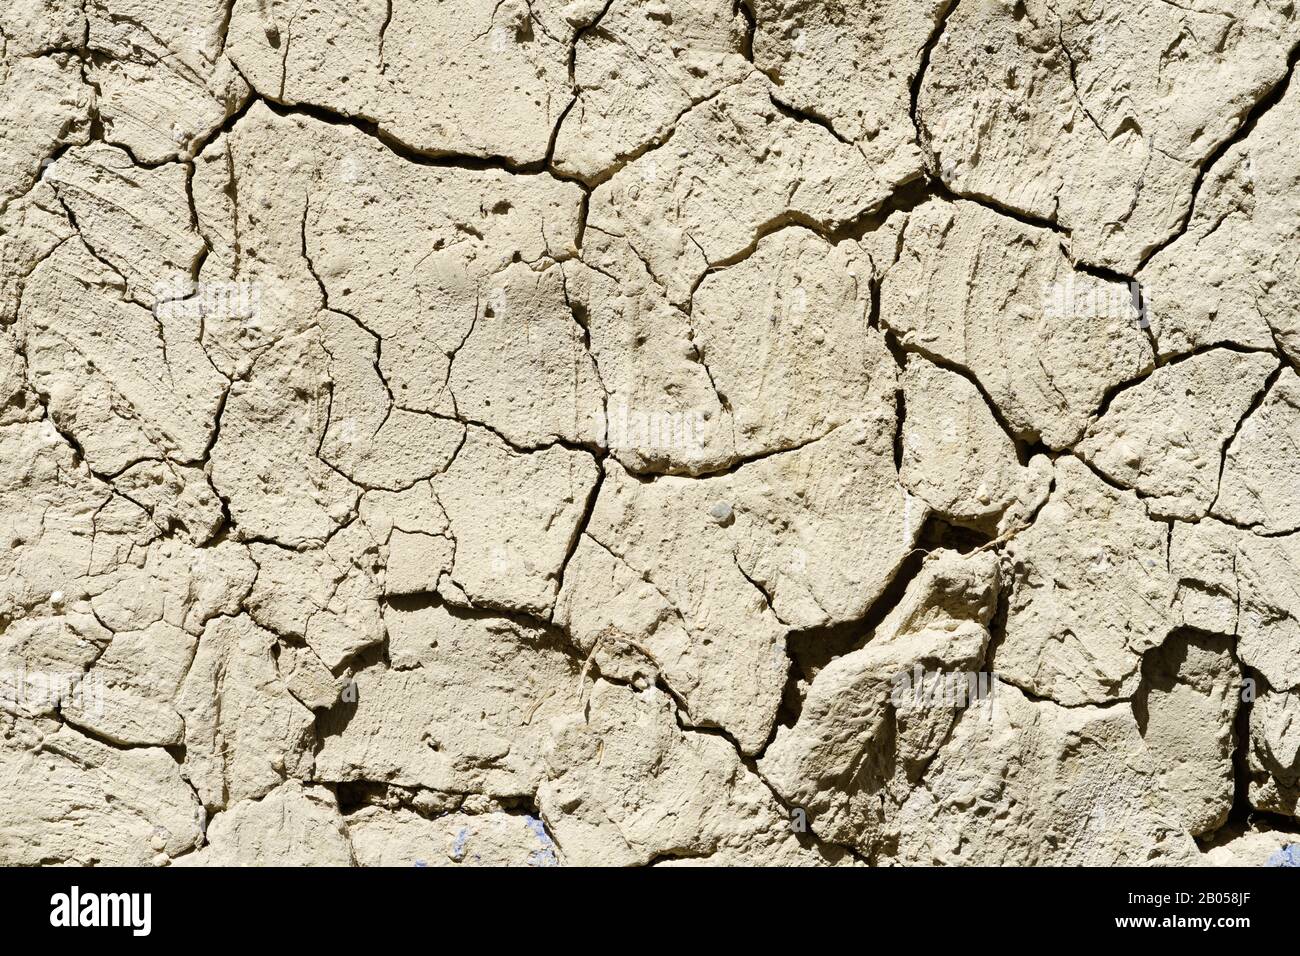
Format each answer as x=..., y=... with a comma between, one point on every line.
x=627, y=432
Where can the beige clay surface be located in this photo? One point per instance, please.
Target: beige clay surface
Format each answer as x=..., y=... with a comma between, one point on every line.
x=636, y=432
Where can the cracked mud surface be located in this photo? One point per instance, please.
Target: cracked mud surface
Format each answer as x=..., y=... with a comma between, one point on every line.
x=518, y=432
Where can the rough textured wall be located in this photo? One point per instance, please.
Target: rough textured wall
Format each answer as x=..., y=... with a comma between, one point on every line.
x=649, y=431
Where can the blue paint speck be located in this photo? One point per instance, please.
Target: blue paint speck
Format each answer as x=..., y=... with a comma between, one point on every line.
x=420, y=863
x=1287, y=856
x=546, y=855
x=458, y=848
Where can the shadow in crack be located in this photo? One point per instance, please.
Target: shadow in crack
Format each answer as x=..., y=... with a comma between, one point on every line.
x=811, y=650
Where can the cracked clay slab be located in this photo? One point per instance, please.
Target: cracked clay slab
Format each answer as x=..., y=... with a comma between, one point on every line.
x=649, y=432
